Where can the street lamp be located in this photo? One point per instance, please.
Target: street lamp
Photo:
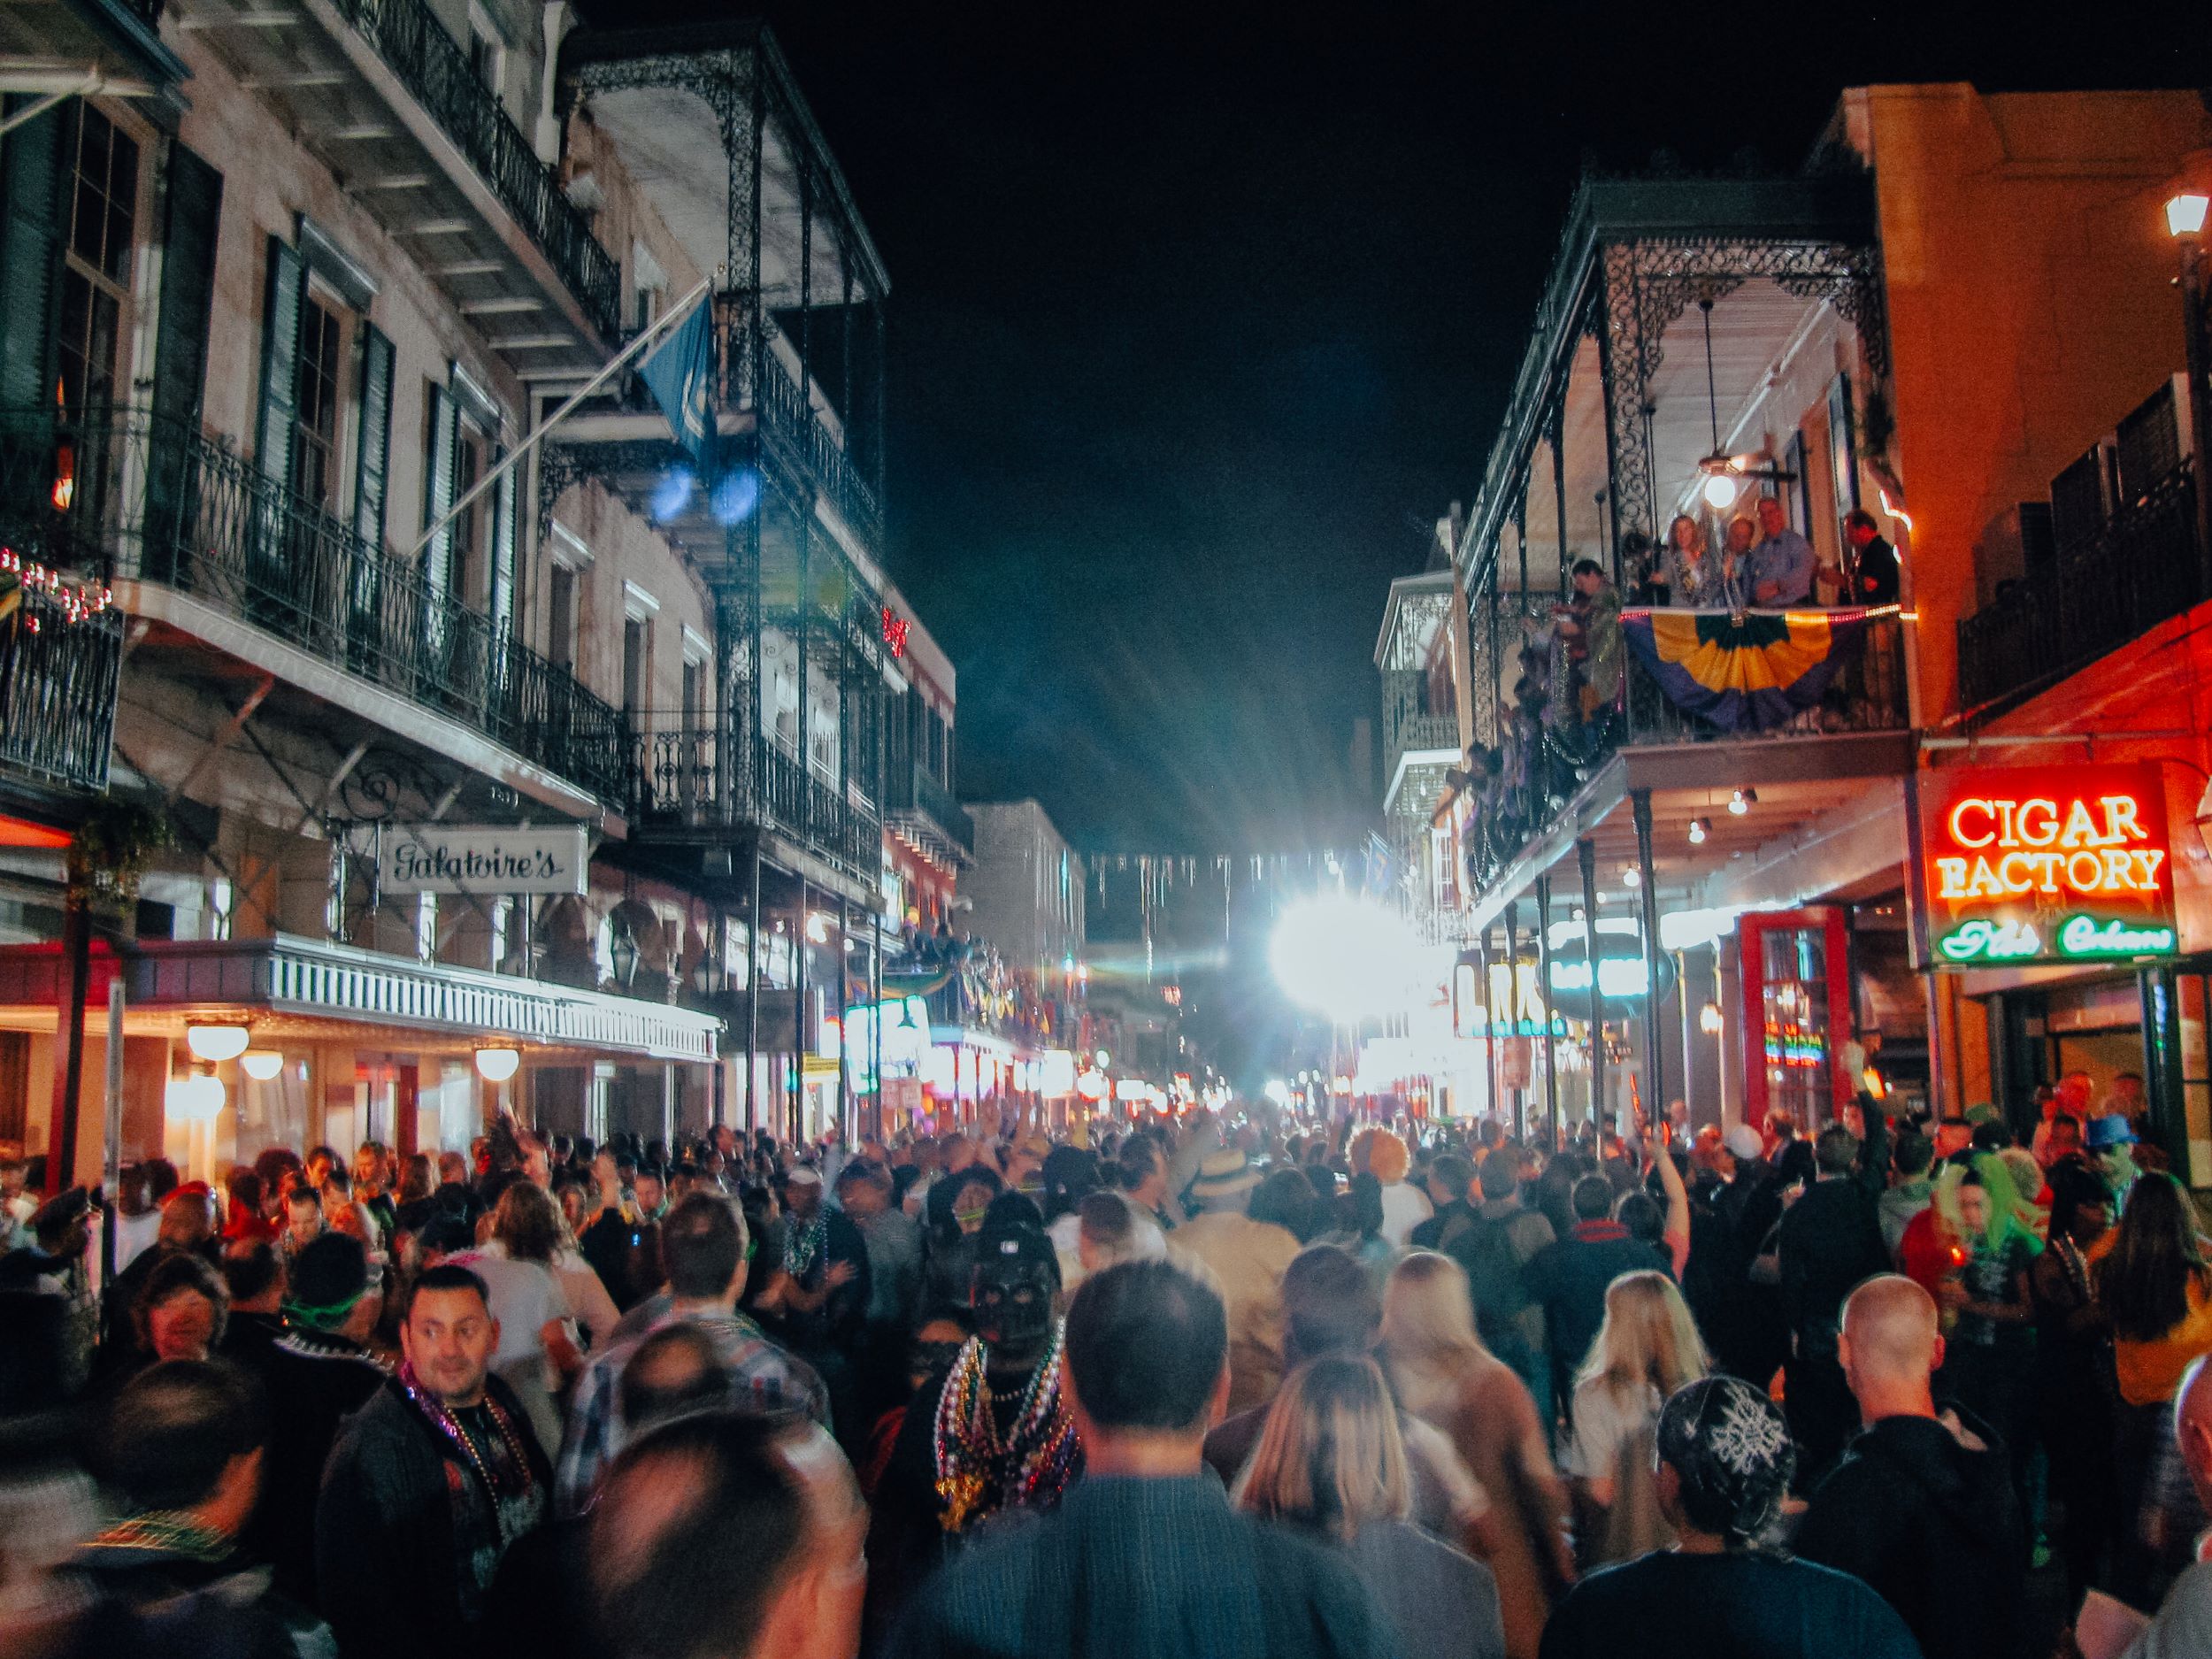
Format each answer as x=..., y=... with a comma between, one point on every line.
x=2185, y=212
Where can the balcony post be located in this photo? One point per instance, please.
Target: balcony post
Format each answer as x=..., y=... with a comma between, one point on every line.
x=1489, y=1025
x=752, y=995
x=1513, y=1007
x=847, y=1118
x=796, y=1129
x=1648, y=893
x=1543, y=991
x=2196, y=321
x=1586, y=859
x=1559, y=482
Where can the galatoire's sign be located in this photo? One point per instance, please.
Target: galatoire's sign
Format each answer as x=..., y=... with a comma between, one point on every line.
x=2044, y=864
x=437, y=858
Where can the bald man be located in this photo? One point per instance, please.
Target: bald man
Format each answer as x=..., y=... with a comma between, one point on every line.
x=1923, y=1506
x=2183, y=1628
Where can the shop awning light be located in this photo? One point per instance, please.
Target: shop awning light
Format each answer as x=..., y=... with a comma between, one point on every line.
x=1710, y=1020
x=216, y=1043
x=261, y=1064
x=1699, y=828
x=2186, y=213
x=1743, y=801
x=496, y=1065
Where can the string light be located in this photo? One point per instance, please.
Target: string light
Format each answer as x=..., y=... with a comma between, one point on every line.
x=1699, y=828
x=78, y=603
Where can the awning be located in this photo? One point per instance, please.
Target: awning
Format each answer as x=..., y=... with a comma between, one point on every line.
x=302, y=988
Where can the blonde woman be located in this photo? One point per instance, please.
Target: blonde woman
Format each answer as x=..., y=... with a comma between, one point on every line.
x=1647, y=1348
x=1443, y=1375
x=1329, y=1463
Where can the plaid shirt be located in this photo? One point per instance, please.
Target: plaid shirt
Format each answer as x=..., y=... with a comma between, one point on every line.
x=762, y=1378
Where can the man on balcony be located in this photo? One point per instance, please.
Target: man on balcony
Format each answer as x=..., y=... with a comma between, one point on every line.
x=1782, y=564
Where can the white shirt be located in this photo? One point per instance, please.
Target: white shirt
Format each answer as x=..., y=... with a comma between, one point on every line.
x=1405, y=1208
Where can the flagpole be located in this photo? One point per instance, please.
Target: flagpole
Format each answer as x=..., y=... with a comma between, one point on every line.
x=675, y=313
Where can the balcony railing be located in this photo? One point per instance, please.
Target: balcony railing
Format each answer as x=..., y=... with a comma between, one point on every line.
x=786, y=419
x=1544, y=762
x=913, y=791
x=2140, y=569
x=158, y=503
x=57, y=683
x=436, y=72
x=689, y=779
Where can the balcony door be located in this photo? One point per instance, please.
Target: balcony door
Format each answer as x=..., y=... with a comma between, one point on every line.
x=1795, y=968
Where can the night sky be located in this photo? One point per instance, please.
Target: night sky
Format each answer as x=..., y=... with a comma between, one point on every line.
x=1201, y=316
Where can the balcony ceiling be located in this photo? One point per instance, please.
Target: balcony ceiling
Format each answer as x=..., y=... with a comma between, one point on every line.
x=73, y=36
x=1755, y=329
x=391, y=154
x=672, y=144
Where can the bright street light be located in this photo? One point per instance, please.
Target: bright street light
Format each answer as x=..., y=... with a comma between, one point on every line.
x=1347, y=959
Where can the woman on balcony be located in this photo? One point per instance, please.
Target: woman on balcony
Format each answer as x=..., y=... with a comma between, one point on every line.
x=1692, y=574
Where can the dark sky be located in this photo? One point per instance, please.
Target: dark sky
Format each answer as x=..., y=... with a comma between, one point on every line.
x=1200, y=314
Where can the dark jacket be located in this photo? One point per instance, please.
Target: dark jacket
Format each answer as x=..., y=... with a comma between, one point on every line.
x=1438, y=1232
x=400, y=1508
x=1928, y=1516
x=166, y=1602
x=1832, y=1241
x=1570, y=1277
x=313, y=1383
x=1163, y=1568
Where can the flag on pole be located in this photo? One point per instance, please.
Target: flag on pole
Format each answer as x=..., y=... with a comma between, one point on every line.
x=1749, y=670
x=679, y=374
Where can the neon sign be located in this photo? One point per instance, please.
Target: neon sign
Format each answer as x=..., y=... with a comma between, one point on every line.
x=2046, y=863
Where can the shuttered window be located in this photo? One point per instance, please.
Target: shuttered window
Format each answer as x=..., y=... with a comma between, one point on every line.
x=30, y=253
x=95, y=286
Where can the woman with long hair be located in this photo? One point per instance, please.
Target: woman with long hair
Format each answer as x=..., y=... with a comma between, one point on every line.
x=1442, y=1374
x=538, y=1348
x=1647, y=1348
x=2156, y=1286
x=1359, y=1229
x=1329, y=1463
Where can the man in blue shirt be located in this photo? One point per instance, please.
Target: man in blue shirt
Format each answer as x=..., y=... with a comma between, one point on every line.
x=1144, y=1555
x=1782, y=564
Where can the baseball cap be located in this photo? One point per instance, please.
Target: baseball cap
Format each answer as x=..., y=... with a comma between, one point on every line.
x=2112, y=1130
x=803, y=1175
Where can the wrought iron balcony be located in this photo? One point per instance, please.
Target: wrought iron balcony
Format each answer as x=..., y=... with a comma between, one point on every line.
x=58, y=682
x=435, y=71
x=1548, y=757
x=158, y=503
x=914, y=799
x=689, y=780
x=789, y=423
x=2139, y=568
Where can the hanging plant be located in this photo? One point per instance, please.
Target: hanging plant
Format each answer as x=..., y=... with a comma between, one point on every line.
x=112, y=849
x=1878, y=425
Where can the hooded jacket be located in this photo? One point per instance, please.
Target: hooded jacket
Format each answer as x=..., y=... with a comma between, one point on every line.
x=1925, y=1511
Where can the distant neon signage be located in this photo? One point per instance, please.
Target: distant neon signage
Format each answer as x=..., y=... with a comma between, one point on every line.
x=2046, y=863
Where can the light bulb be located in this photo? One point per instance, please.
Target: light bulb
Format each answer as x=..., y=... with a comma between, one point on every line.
x=1697, y=831
x=1739, y=803
x=1632, y=876
x=1720, y=492
x=1709, y=1019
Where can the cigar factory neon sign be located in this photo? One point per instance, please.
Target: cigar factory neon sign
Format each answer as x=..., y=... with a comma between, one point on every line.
x=2046, y=863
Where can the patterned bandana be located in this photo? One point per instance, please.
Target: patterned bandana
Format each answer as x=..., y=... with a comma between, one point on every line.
x=1729, y=1446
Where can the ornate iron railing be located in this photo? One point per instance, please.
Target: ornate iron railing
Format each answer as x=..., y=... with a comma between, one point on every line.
x=914, y=790
x=680, y=781
x=156, y=502
x=1548, y=756
x=57, y=683
x=791, y=424
x=436, y=72
x=2140, y=569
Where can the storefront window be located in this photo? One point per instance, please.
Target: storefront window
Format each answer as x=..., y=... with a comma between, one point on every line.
x=1794, y=993
x=2195, y=994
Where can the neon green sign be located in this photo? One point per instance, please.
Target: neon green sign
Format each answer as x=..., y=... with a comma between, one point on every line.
x=1991, y=941
x=2083, y=936
x=2079, y=937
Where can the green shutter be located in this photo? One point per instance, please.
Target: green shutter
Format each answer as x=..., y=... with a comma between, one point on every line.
x=30, y=258
x=279, y=362
x=187, y=293
x=504, y=533
x=437, y=557
x=376, y=437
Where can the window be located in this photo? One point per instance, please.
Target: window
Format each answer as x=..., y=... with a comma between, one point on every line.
x=471, y=530
x=488, y=53
x=96, y=276
x=695, y=694
x=636, y=665
x=315, y=454
x=560, y=622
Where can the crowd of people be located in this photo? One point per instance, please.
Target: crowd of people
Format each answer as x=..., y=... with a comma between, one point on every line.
x=1233, y=1384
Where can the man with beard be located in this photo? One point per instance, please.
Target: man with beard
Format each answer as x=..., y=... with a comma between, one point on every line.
x=991, y=1433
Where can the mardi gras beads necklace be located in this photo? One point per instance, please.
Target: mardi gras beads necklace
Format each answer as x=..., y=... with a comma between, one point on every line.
x=515, y=1479
x=980, y=1473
